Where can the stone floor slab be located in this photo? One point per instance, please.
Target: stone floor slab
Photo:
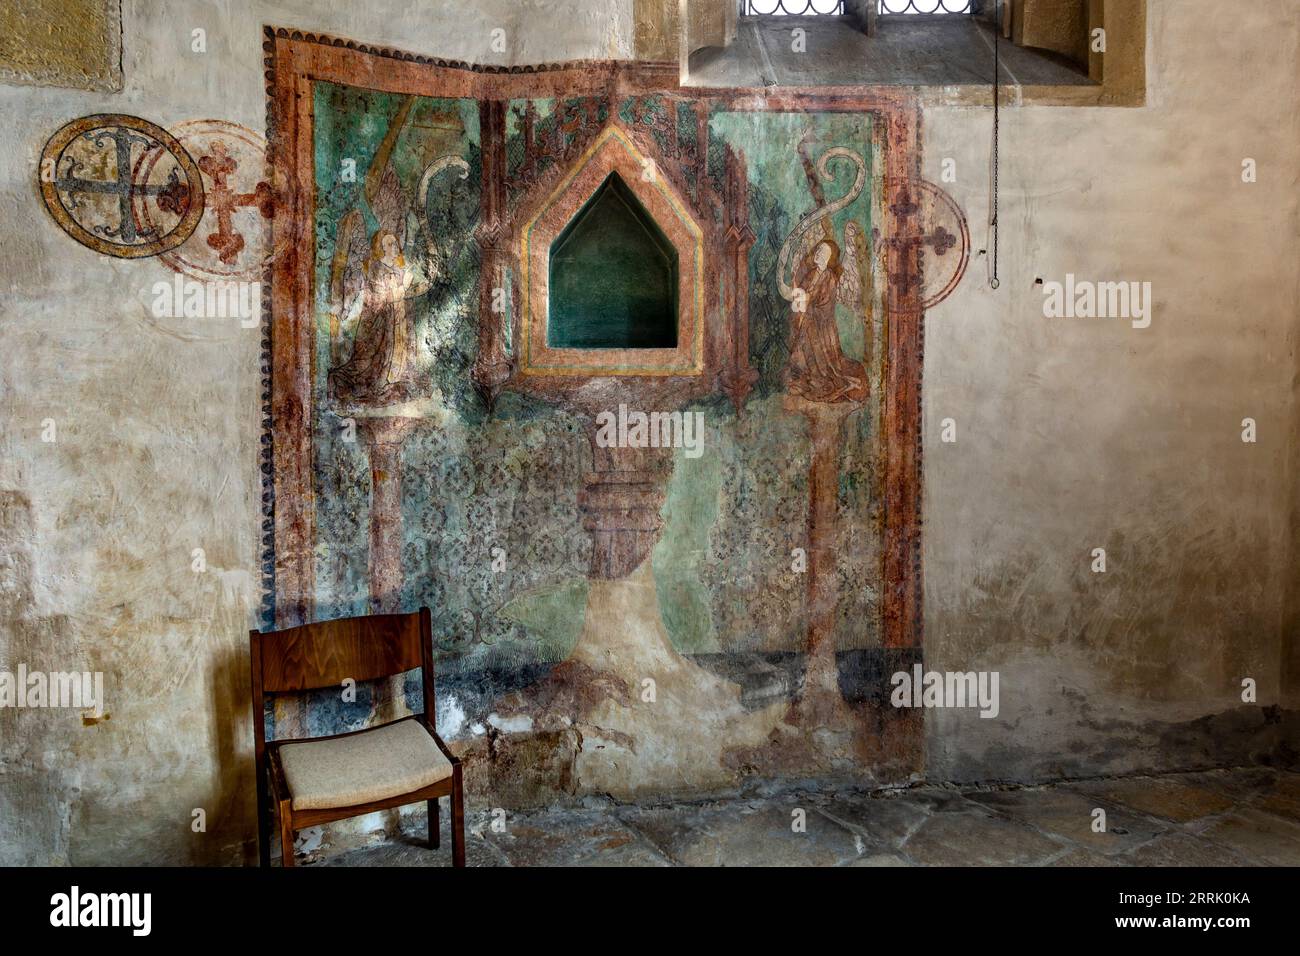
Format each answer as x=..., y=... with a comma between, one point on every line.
x=880, y=859
x=1210, y=818
x=1281, y=797
x=570, y=838
x=1076, y=856
x=1068, y=814
x=408, y=851
x=885, y=820
x=746, y=833
x=978, y=839
x=1259, y=836
x=1183, y=849
x=1178, y=799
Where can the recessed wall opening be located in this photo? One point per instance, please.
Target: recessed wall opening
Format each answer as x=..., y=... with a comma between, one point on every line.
x=1050, y=52
x=612, y=277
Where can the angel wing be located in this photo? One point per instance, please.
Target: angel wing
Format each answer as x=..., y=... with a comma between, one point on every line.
x=347, y=269
x=424, y=256
x=390, y=206
x=849, y=291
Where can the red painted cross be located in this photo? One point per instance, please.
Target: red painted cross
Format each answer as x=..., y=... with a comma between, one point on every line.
x=218, y=165
x=901, y=269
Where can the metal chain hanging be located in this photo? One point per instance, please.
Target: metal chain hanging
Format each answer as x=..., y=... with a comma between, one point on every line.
x=994, y=282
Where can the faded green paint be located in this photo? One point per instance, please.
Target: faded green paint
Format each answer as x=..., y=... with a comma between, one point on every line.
x=492, y=539
x=690, y=511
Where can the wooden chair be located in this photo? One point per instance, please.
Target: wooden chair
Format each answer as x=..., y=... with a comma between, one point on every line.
x=317, y=780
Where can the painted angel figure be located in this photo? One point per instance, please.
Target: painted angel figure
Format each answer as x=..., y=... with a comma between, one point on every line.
x=818, y=370
x=372, y=281
x=376, y=371
x=369, y=287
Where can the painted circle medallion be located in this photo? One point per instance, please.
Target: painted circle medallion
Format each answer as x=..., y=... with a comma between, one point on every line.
x=121, y=185
x=232, y=241
x=935, y=236
x=945, y=246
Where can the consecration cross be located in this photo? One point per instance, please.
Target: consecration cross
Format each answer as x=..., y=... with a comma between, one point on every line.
x=219, y=165
x=905, y=274
x=173, y=195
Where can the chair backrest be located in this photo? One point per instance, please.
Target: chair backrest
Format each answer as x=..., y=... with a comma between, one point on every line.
x=326, y=653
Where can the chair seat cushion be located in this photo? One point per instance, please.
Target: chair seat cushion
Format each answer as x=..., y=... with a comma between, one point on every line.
x=372, y=765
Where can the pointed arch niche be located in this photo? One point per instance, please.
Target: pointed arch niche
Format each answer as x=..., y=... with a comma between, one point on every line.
x=613, y=271
x=613, y=277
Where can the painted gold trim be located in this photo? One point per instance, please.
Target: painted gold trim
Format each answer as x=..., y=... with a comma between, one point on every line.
x=63, y=137
x=550, y=361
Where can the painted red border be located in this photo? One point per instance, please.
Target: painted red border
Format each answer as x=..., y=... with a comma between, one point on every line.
x=294, y=60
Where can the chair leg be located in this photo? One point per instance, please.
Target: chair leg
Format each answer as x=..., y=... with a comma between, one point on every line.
x=286, y=835
x=435, y=838
x=457, y=819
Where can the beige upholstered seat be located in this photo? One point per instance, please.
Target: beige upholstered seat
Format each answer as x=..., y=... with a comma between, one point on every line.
x=371, y=765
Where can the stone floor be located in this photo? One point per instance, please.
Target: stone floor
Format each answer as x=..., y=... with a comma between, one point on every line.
x=1217, y=818
x=907, y=51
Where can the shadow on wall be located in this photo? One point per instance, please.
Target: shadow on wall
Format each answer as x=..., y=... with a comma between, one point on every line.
x=231, y=816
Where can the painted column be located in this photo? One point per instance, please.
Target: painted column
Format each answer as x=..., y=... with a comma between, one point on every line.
x=384, y=438
x=492, y=367
x=821, y=702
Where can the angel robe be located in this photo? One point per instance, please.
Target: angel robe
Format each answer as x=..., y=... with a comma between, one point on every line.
x=375, y=372
x=818, y=370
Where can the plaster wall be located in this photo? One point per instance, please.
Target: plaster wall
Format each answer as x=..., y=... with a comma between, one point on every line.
x=1075, y=434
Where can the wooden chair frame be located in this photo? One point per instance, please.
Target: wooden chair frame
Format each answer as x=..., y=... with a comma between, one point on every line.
x=325, y=654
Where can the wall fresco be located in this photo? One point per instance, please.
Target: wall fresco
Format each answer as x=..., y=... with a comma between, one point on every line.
x=621, y=619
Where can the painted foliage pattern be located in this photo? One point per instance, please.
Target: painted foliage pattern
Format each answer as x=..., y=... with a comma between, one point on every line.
x=491, y=538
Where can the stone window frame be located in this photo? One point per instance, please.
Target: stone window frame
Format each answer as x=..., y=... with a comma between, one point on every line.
x=1118, y=75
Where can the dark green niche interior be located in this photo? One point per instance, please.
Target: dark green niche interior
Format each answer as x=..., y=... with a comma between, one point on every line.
x=613, y=277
